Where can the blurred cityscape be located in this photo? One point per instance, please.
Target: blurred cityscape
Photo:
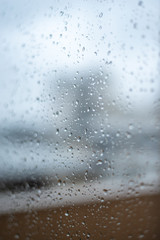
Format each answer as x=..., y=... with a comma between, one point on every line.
x=80, y=101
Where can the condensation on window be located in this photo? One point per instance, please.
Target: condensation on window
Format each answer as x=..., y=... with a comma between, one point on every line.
x=80, y=119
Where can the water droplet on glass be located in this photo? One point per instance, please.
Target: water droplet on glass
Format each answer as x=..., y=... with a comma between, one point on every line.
x=101, y=15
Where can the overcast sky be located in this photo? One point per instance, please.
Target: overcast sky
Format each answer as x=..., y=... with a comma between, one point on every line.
x=41, y=37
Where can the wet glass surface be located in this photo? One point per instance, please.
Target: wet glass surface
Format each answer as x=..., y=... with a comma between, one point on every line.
x=80, y=103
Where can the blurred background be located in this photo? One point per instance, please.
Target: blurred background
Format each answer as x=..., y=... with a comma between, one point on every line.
x=80, y=91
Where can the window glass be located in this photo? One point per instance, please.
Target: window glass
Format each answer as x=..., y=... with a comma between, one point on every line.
x=79, y=105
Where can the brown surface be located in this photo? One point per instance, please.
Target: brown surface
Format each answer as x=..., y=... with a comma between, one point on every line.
x=136, y=218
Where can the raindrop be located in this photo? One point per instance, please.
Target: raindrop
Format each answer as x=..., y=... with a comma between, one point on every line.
x=131, y=126
x=105, y=191
x=67, y=214
x=16, y=236
x=78, y=139
x=128, y=135
x=99, y=162
x=57, y=131
x=101, y=15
